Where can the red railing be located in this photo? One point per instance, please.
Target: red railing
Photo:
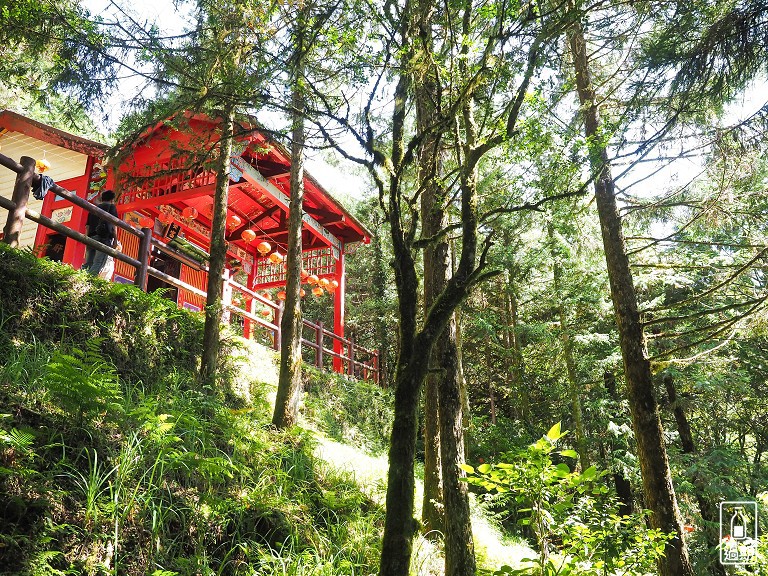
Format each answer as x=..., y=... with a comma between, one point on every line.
x=163, y=178
x=357, y=361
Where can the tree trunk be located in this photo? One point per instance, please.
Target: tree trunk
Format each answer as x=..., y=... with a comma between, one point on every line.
x=651, y=449
x=400, y=526
x=459, y=543
x=708, y=509
x=465, y=406
x=435, y=272
x=513, y=347
x=432, y=511
x=683, y=427
x=416, y=344
x=570, y=364
x=213, y=303
x=380, y=282
x=491, y=395
x=289, y=386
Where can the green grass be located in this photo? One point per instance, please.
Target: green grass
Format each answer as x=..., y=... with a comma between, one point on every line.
x=114, y=461
x=358, y=413
x=175, y=479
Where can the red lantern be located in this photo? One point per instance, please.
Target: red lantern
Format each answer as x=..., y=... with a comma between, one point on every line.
x=282, y=295
x=189, y=212
x=146, y=222
x=248, y=236
x=234, y=221
x=263, y=247
x=312, y=279
x=266, y=296
x=265, y=312
x=317, y=291
x=165, y=218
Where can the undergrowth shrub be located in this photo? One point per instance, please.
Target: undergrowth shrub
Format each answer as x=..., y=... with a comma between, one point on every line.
x=357, y=412
x=114, y=461
x=570, y=514
x=142, y=334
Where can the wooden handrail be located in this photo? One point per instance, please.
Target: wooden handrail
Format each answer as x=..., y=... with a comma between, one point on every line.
x=319, y=349
x=248, y=292
x=70, y=233
x=180, y=256
x=245, y=314
x=11, y=164
x=341, y=339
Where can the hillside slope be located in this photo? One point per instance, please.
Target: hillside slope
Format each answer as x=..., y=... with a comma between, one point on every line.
x=114, y=461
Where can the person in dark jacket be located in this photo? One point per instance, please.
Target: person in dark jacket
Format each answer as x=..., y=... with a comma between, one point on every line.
x=101, y=231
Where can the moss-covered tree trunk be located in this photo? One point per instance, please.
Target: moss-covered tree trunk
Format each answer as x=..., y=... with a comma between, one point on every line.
x=425, y=94
x=213, y=302
x=380, y=287
x=620, y=482
x=289, y=386
x=459, y=543
x=651, y=448
x=513, y=348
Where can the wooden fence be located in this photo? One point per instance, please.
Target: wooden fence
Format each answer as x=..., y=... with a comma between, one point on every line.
x=357, y=361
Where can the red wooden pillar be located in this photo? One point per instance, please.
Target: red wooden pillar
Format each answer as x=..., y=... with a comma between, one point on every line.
x=338, y=312
x=74, y=252
x=319, y=341
x=226, y=297
x=277, y=318
x=250, y=304
x=145, y=249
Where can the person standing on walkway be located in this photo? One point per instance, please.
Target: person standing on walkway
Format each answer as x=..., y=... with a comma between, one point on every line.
x=102, y=231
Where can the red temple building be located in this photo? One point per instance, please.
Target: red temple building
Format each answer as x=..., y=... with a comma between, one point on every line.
x=165, y=181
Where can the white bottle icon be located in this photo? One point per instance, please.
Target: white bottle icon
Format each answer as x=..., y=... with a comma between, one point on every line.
x=739, y=524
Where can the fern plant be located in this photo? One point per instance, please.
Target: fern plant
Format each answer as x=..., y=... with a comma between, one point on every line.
x=83, y=382
x=16, y=451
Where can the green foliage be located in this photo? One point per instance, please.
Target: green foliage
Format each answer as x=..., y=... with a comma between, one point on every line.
x=83, y=383
x=144, y=335
x=568, y=512
x=484, y=440
x=352, y=411
x=147, y=473
x=16, y=451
